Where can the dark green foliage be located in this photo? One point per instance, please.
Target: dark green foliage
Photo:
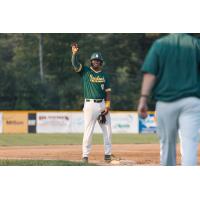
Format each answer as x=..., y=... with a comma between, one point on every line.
x=21, y=87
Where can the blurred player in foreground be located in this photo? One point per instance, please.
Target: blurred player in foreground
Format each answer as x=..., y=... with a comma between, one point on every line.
x=172, y=72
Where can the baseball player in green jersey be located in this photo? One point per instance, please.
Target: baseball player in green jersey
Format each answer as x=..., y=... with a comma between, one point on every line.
x=97, y=91
x=172, y=72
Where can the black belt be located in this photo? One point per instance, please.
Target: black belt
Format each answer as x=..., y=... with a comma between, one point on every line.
x=94, y=100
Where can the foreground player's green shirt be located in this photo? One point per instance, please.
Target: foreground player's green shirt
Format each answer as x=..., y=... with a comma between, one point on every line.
x=175, y=61
x=95, y=84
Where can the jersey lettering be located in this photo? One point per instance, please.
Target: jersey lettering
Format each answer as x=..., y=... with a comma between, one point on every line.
x=96, y=79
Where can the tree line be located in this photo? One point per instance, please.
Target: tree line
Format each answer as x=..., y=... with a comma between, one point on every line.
x=36, y=71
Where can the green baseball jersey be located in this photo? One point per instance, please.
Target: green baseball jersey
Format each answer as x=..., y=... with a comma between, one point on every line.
x=95, y=84
x=175, y=61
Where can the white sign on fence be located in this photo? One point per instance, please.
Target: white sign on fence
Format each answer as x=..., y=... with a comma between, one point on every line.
x=124, y=122
x=53, y=122
x=73, y=122
x=77, y=122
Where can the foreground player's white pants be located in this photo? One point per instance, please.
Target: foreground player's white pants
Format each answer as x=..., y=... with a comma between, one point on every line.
x=182, y=115
x=91, y=112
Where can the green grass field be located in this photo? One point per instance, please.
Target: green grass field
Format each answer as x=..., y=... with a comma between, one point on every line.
x=42, y=163
x=62, y=139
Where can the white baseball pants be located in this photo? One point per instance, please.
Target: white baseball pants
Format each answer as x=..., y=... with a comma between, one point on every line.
x=181, y=116
x=91, y=112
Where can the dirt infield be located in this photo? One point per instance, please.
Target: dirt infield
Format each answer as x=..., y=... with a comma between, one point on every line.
x=125, y=154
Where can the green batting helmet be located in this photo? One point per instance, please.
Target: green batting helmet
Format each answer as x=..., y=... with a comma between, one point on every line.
x=96, y=55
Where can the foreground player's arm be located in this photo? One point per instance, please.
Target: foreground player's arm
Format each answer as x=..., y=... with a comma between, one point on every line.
x=75, y=60
x=150, y=70
x=147, y=85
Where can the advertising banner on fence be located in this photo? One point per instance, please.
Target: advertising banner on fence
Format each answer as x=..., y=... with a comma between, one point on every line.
x=73, y=122
x=124, y=122
x=1, y=123
x=148, y=125
x=15, y=122
x=121, y=122
x=53, y=122
x=77, y=122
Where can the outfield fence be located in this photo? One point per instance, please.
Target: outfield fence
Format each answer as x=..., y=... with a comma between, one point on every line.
x=33, y=122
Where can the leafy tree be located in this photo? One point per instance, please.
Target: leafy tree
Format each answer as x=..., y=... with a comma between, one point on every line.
x=21, y=86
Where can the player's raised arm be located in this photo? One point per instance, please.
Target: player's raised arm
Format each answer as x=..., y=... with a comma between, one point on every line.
x=75, y=61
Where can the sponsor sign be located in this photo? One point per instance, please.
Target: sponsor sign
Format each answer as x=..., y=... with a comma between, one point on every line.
x=73, y=122
x=76, y=122
x=124, y=122
x=148, y=125
x=53, y=122
x=15, y=122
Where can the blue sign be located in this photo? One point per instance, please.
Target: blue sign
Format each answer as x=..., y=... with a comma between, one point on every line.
x=147, y=125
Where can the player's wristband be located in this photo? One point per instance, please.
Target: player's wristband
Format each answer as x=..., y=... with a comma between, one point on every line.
x=107, y=104
x=144, y=95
